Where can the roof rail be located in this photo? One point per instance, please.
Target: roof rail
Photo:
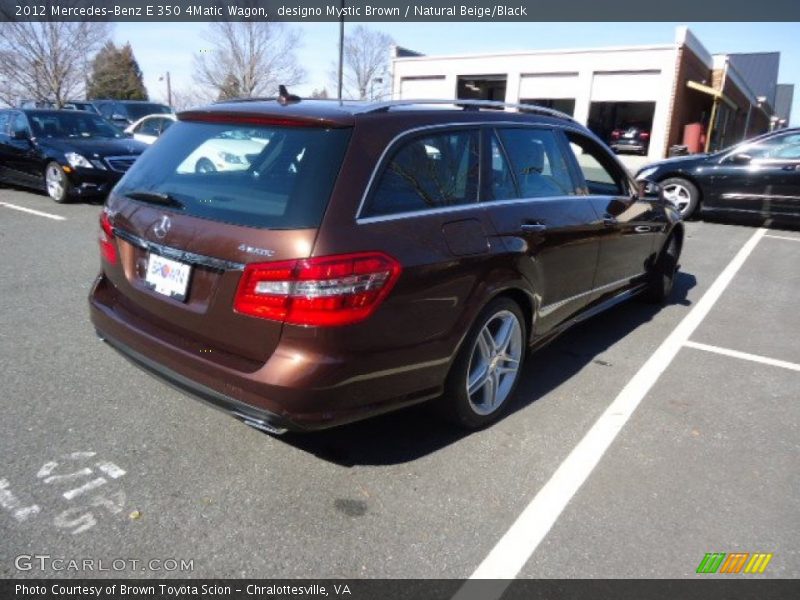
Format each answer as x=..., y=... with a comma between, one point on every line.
x=466, y=105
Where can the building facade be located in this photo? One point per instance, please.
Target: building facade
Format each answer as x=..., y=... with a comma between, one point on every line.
x=678, y=92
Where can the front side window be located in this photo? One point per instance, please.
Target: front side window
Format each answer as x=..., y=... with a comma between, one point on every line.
x=3, y=123
x=432, y=171
x=780, y=147
x=538, y=168
x=148, y=127
x=602, y=176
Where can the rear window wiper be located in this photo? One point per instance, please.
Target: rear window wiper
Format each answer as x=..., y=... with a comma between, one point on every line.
x=156, y=198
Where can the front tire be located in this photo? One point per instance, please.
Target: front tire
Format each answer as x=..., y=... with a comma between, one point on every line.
x=58, y=186
x=683, y=195
x=662, y=277
x=487, y=370
x=204, y=165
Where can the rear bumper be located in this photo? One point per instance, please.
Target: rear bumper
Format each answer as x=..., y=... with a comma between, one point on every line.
x=261, y=398
x=258, y=418
x=628, y=146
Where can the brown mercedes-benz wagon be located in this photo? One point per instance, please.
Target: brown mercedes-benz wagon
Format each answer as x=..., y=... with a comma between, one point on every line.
x=339, y=260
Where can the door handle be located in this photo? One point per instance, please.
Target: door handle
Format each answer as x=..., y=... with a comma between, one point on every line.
x=533, y=227
x=643, y=229
x=610, y=221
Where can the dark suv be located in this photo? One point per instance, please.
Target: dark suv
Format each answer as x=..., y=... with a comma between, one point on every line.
x=367, y=257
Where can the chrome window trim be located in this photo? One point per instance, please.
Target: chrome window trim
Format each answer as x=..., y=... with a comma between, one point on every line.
x=218, y=264
x=462, y=207
x=454, y=125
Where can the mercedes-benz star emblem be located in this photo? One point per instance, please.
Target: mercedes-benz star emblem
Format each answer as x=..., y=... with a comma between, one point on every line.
x=161, y=229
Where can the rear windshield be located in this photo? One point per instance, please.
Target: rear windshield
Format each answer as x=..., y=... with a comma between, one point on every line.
x=265, y=176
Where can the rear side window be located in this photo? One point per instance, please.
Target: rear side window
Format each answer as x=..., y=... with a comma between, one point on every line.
x=602, y=176
x=432, y=171
x=535, y=168
x=264, y=176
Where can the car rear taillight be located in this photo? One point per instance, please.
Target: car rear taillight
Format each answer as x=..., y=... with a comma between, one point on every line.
x=322, y=291
x=615, y=135
x=106, y=238
x=644, y=135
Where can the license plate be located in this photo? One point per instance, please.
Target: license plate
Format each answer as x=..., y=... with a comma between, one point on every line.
x=629, y=135
x=168, y=277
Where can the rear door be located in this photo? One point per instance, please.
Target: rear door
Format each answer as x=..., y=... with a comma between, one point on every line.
x=184, y=237
x=628, y=226
x=536, y=210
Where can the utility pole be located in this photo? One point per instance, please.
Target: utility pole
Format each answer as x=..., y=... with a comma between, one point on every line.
x=169, y=88
x=341, y=52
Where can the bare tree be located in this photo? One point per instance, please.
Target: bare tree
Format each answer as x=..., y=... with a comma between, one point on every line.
x=366, y=61
x=257, y=56
x=47, y=61
x=188, y=97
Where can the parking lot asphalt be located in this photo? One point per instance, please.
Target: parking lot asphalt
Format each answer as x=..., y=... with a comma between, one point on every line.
x=101, y=461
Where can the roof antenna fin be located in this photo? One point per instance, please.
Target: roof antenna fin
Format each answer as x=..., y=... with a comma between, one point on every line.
x=284, y=97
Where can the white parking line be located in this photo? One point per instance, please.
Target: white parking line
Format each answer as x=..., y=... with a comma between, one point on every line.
x=33, y=212
x=783, y=237
x=518, y=544
x=764, y=360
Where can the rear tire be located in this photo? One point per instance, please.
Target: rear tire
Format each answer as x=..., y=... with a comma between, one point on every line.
x=56, y=182
x=486, y=371
x=662, y=277
x=683, y=195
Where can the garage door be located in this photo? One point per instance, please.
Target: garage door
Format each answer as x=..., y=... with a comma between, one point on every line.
x=424, y=87
x=549, y=85
x=626, y=86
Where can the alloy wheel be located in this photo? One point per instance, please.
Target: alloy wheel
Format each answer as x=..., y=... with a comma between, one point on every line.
x=55, y=182
x=679, y=196
x=494, y=363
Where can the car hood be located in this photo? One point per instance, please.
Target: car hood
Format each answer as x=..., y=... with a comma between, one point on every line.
x=680, y=162
x=95, y=147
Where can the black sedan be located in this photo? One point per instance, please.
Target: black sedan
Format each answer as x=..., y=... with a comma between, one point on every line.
x=759, y=178
x=67, y=153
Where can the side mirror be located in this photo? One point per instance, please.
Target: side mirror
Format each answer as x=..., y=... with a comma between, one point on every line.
x=648, y=190
x=21, y=135
x=741, y=159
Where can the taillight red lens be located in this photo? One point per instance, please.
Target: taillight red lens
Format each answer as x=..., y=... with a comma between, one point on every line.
x=644, y=135
x=323, y=291
x=615, y=135
x=108, y=249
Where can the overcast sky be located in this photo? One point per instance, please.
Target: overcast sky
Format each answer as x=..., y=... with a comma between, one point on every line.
x=161, y=47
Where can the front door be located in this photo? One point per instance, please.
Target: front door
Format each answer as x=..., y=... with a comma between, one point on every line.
x=628, y=225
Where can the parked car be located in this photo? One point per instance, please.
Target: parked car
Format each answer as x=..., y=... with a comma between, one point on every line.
x=759, y=177
x=371, y=257
x=634, y=137
x=124, y=112
x=81, y=105
x=53, y=105
x=66, y=153
x=149, y=128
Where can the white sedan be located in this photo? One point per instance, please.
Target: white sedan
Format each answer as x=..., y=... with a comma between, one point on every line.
x=149, y=128
x=229, y=151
